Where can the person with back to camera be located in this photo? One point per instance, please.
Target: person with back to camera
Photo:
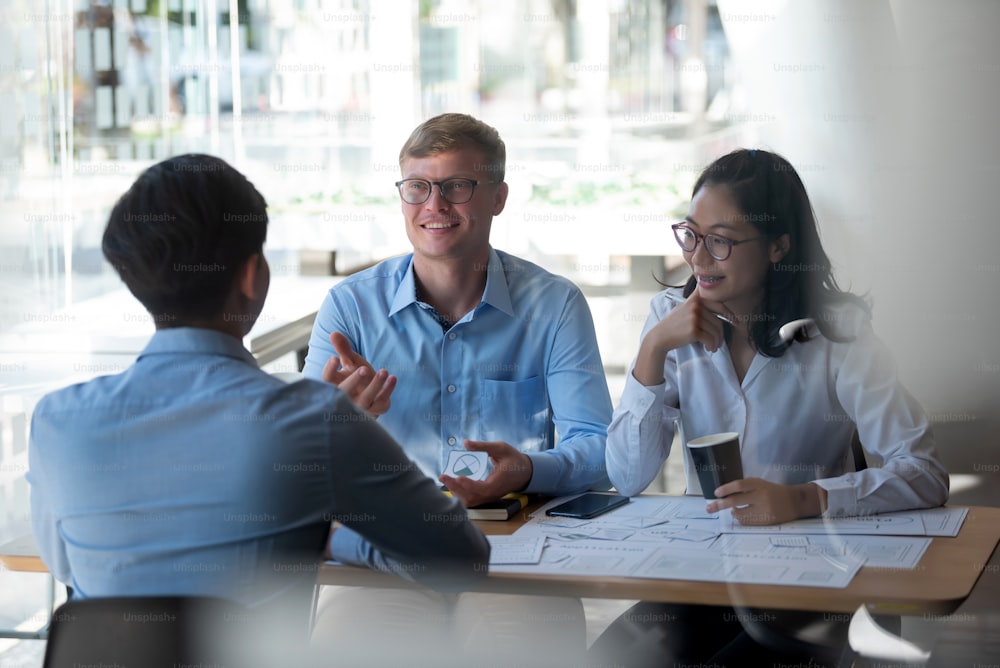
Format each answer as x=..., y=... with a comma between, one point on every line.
x=751, y=241
x=194, y=472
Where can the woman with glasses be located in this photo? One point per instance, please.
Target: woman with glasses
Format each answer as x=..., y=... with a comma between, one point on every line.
x=711, y=359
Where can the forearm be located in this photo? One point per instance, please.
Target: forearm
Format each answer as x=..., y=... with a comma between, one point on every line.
x=649, y=361
x=440, y=571
x=810, y=500
x=639, y=437
x=901, y=486
x=403, y=523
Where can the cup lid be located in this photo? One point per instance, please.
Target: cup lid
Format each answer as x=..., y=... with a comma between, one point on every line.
x=712, y=439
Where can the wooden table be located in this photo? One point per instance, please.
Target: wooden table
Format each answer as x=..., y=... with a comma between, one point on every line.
x=938, y=585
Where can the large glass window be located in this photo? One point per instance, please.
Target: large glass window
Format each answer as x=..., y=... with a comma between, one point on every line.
x=606, y=107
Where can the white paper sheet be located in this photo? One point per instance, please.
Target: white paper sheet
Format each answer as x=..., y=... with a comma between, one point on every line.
x=515, y=550
x=674, y=538
x=877, y=551
x=585, y=557
x=932, y=522
x=792, y=567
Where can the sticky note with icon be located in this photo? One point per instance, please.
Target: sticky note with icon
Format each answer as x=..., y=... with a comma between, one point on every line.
x=467, y=464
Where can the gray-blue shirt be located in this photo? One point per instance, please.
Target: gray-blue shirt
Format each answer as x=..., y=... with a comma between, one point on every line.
x=194, y=472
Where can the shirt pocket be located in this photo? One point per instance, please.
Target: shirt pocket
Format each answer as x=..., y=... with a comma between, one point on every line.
x=515, y=411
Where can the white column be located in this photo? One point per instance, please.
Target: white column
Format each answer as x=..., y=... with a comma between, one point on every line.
x=591, y=73
x=395, y=80
x=816, y=73
x=888, y=110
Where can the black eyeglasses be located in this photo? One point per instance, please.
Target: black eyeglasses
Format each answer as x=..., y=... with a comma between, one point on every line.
x=455, y=191
x=718, y=247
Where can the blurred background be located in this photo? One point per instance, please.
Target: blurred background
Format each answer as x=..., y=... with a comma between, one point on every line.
x=609, y=110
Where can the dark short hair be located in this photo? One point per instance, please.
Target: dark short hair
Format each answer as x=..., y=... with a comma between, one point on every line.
x=178, y=236
x=769, y=193
x=452, y=132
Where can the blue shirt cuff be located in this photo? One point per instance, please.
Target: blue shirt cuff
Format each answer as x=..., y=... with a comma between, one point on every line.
x=544, y=473
x=345, y=546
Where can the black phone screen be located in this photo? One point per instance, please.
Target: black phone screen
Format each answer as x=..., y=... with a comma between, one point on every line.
x=587, y=506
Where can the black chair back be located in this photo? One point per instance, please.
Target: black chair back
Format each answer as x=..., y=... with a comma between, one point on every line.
x=153, y=631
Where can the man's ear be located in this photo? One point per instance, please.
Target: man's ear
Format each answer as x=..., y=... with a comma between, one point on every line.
x=248, y=277
x=779, y=248
x=500, y=198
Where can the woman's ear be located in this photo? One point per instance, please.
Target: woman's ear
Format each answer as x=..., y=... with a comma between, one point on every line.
x=779, y=248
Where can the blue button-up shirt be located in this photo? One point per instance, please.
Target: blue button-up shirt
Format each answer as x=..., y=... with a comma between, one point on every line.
x=521, y=367
x=194, y=472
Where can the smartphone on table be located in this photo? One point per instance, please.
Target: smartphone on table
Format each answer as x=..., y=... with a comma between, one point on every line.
x=587, y=506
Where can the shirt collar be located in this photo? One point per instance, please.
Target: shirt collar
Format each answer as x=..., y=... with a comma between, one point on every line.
x=496, y=294
x=197, y=340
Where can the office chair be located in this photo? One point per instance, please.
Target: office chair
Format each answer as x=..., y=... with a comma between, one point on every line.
x=147, y=631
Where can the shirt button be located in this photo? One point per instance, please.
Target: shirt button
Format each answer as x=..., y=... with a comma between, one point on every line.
x=452, y=336
x=452, y=388
x=452, y=440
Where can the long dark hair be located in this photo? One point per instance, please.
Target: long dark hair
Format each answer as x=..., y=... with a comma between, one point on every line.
x=768, y=191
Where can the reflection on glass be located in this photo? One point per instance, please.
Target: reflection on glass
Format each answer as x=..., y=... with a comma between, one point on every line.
x=313, y=99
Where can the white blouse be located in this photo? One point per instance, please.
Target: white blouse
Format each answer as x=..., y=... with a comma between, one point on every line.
x=795, y=415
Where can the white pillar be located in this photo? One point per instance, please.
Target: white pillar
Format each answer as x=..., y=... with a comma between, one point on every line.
x=888, y=110
x=592, y=73
x=816, y=72
x=395, y=81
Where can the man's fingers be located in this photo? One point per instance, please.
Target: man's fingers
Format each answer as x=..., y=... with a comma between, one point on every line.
x=383, y=398
x=463, y=489
x=489, y=447
x=369, y=393
x=354, y=383
x=331, y=371
x=343, y=347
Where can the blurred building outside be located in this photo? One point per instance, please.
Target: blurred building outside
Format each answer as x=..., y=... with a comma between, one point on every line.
x=608, y=109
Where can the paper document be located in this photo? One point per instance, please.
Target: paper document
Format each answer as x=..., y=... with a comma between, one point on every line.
x=932, y=522
x=877, y=551
x=515, y=550
x=645, y=519
x=584, y=557
x=791, y=567
x=672, y=537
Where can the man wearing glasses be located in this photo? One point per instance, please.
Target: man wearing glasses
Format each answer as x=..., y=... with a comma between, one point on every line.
x=489, y=352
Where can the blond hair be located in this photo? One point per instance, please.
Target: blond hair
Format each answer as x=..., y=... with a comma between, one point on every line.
x=451, y=132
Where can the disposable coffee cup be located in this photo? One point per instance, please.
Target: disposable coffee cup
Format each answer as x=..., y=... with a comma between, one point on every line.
x=716, y=460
